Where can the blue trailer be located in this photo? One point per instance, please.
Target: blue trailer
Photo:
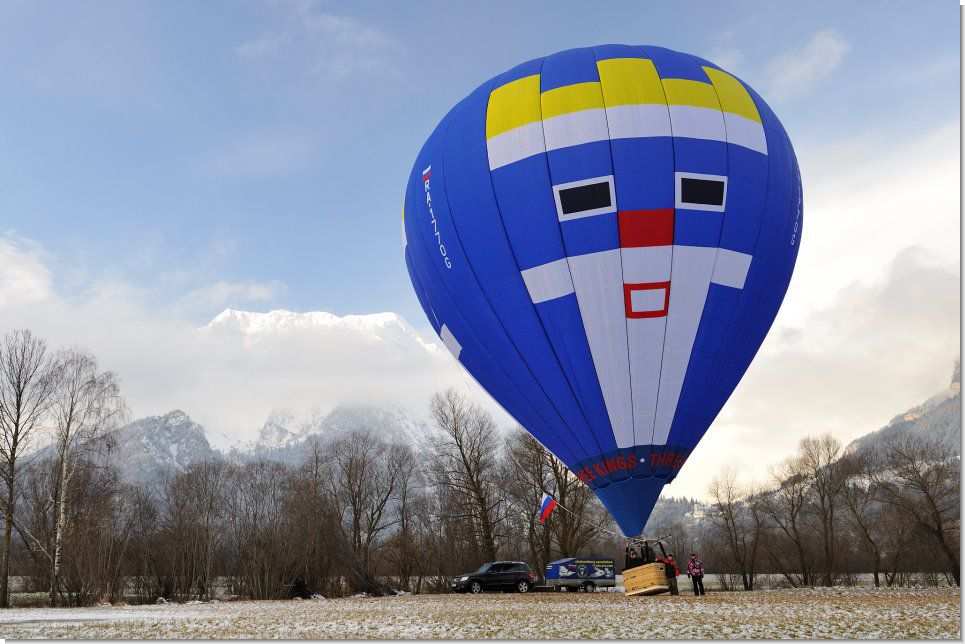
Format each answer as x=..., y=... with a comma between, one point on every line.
x=584, y=574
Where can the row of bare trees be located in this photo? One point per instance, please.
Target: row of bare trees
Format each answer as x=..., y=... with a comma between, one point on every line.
x=360, y=514
x=827, y=515
x=66, y=395
x=363, y=513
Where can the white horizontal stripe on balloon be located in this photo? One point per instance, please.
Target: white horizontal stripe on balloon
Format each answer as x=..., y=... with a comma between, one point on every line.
x=450, y=341
x=745, y=132
x=646, y=264
x=731, y=268
x=697, y=123
x=638, y=121
x=624, y=122
x=575, y=128
x=548, y=281
x=515, y=145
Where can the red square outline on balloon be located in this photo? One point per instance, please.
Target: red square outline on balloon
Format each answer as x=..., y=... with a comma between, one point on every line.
x=628, y=290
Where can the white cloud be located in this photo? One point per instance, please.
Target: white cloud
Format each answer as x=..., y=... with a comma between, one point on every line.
x=24, y=279
x=795, y=73
x=865, y=200
x=847, y=369
x=869, y=328
x=227, y=380
x=871, y=322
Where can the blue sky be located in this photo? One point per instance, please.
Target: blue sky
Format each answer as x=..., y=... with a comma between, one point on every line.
x=163, y=161
x=265, y=144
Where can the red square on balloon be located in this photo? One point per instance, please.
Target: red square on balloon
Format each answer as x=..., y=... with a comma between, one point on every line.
x=640, y=228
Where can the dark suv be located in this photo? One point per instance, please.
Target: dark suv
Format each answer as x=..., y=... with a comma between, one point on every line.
x=497, y=575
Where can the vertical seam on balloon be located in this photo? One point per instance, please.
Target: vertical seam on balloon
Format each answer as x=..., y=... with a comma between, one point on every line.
x=571, y=385
x=498, y=368
x=486, y=353
x=552, y=405
x=760, y=229
x=723, y=217
x=613, y=171
x=539, y=321
x=673, y=179
x=715, y=362
x=569, y=270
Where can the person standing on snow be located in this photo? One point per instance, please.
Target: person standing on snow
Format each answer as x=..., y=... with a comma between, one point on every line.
x=671, y=570
x=695, y=570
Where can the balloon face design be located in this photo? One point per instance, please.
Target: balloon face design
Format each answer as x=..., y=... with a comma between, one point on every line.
x=602, y=238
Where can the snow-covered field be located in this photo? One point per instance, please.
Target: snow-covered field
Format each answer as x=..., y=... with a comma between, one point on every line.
x=818, y=613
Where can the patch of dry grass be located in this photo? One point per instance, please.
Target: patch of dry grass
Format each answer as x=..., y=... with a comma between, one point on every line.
x=818, y=613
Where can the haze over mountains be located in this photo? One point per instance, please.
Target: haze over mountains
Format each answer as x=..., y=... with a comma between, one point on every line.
x=150, y=449
x=283, y=372
x=939, y=417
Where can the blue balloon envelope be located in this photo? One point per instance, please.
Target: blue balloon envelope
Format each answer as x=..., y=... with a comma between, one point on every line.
x=603, y=237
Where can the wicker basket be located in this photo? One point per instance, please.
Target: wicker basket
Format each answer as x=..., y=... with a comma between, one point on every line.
x=649, y=579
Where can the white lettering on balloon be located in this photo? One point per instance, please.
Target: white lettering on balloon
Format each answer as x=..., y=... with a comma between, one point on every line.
x=426, y=174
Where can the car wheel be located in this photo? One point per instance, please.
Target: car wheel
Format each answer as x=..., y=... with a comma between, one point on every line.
x=587, y=587
x=475, y=588
x=523, y=586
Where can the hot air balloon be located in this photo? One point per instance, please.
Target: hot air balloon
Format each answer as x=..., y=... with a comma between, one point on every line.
x=603, y=237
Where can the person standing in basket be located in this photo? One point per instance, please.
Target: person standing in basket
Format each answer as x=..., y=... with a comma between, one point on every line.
x=695, y=570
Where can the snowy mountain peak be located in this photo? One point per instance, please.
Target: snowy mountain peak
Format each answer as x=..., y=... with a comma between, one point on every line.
x=277, y=431
x=176, y=417
x=168, y=443
x=250, y=323
x=285, y=432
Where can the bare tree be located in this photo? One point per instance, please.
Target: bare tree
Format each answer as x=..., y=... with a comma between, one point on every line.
x=260, y=557
x=860, y=494
x=26, y=387
x=365, y=477
x=85, y=404
x=921, y=479
x=312, y=517
x=191, y=528
x=466, y=465
x=585, y=517
x=408, y=504
x=785, y=506
x=528, y=477
x=741, y=522
x=820, y=462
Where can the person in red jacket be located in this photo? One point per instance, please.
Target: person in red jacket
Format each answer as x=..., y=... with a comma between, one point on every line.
x=671, y=570
x=695, y=570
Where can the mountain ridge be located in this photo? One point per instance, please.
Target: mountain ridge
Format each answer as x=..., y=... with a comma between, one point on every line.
x=151, y=448
x=939, y=416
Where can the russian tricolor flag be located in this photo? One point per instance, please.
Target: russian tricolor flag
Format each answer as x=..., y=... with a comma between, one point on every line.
x=546, y=506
